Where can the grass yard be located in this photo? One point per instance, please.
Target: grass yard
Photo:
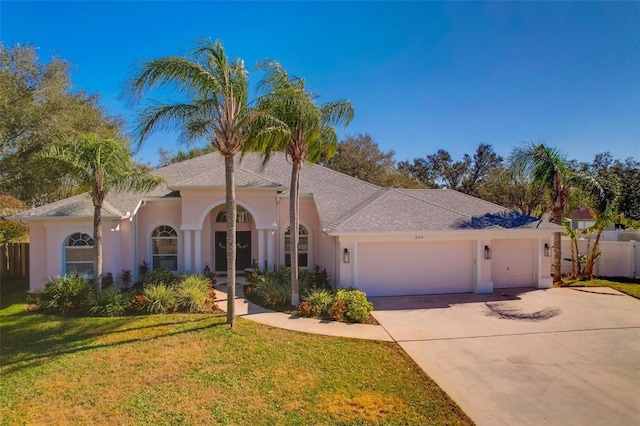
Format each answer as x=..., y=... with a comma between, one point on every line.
x=190, y=369
x=628, y=286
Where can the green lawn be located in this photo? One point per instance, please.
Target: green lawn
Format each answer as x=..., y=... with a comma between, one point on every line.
x=190, y=369
x=630, y=287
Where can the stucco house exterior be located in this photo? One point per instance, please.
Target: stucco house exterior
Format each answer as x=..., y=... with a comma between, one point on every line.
x=381, y=240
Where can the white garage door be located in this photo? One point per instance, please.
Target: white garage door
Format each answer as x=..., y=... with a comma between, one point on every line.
x=395, y=269
x=512, y=263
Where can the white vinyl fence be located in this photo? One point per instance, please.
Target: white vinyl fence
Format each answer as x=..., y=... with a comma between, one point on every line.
x=618, y=259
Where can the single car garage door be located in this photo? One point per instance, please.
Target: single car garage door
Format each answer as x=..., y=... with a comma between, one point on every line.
x=398, y=269
x=512, y=263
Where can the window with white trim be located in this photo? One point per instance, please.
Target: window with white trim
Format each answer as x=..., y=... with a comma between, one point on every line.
x=78, y=254
x=303, y=247
x=164, y=248
x=242, y=216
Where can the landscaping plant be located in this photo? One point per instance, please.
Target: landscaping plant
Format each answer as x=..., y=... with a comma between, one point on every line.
x=161, y=298
x=357, y=307
x=63, y=295
x=194, y=293
x=159, y=276
x=111, y=302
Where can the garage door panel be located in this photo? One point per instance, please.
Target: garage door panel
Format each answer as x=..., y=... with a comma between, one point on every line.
x=512, y=263
x=414, y=268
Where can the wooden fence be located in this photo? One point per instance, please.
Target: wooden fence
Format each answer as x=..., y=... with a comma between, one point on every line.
x=14, y=261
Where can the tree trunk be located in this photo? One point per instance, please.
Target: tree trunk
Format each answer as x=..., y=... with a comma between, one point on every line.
x=557, y=255
x=294, y=230
x=231, y=239
x=97, y=246
x=589, y=269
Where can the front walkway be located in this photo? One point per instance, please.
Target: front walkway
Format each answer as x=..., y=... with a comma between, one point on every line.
x=248, y=310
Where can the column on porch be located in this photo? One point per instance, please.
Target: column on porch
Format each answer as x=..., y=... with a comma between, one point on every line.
x=187, y=251
x=271, y=247
x=197, y=244
x=262, y=240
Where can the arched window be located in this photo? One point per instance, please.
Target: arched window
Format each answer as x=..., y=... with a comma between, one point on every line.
x=164, y=248
x=303, y=247
x=242, y=216
x=78, y=254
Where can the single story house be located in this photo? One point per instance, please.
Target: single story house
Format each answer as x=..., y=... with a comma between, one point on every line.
x=384, y=241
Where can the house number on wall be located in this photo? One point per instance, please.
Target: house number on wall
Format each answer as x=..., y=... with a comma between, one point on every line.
x=419, y=237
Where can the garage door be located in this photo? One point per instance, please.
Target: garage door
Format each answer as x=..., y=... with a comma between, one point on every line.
x=395, y=269
x=512, y=263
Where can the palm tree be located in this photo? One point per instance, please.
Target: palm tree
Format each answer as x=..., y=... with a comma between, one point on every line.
x=548, y=168
x=305, y=132
x=215, y=108
x=101, y=166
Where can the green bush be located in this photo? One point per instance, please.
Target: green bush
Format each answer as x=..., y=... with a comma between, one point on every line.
x=357, y=307
x=320, y=301
x=195, y=293
x=64, y=295
x=161, y=298
x=159, y=276
x=110, y=302
x=272, y=288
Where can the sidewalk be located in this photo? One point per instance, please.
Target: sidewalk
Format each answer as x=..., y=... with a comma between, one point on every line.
x=248, y=310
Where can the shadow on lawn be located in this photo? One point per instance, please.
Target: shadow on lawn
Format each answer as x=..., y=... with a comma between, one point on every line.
x=30, y=338
x=25, y=347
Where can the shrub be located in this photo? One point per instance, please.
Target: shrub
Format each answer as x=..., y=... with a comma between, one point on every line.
x=126, y=278
x=139, y=302
x=320, y=301
x=305, y=309
x=357, y=307
x=272, y=288
x=336, y=311
x=194, y=293
x=321, y=279
x=159, y=276
x=107, y=280
x=161, y=298
x=110, y=302
x=64, y=295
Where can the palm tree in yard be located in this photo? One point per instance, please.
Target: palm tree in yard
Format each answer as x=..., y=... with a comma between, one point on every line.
x=215, y=108
x=101, y=166
x=548, y=168
x=305, y=133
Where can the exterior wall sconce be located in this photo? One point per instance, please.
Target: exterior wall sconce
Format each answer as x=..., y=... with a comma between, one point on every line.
x=346, y=256
x=487, y=252
x=547, y=250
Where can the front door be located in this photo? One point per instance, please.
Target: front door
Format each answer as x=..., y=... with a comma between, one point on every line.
x=243, y=250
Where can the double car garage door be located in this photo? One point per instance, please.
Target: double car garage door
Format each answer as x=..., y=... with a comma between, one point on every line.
x=401, y=268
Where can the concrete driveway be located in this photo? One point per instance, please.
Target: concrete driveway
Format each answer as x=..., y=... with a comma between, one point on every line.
x=527, y=357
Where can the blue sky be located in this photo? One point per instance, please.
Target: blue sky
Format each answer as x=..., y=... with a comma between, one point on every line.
x=421, y=75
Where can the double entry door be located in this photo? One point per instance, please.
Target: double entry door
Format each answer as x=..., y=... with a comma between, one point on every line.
x=243, y=250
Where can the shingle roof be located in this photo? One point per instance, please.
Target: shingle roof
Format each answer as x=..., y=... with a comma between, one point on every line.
x=77, y=206
x=345, y=204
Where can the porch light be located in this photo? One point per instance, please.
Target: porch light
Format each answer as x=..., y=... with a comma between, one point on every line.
x=547, y=250
x=346, y=256
x=487, y=252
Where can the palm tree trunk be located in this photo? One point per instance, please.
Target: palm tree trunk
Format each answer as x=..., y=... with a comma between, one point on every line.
x=97, y=246
x=590, y=269
x=557, y=255
x=231, y=238
x=294, y=220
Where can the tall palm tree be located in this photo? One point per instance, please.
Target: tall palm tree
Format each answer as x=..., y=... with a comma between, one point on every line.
x=305, y=132
x=101, y=166
x=547, y=167
x=215, y=108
